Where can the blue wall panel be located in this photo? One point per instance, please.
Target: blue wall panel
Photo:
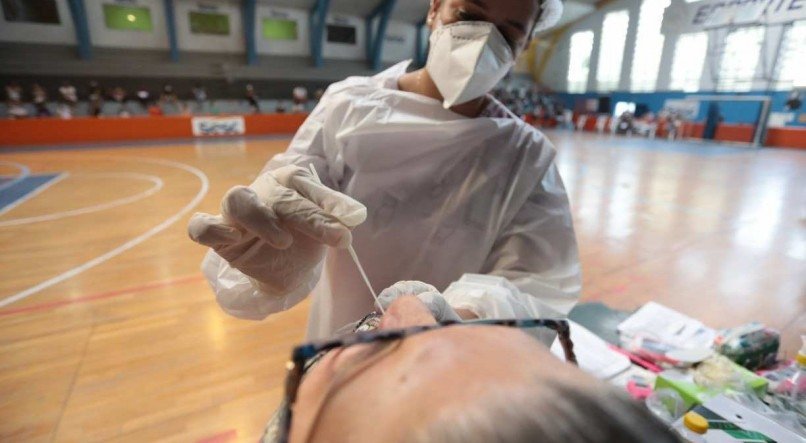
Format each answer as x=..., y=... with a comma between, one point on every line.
x=732, y=112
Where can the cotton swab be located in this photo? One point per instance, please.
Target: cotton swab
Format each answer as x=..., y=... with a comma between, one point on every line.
x=351, y=250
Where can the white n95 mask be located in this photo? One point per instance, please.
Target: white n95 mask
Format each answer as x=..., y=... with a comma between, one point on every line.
x=467, y=59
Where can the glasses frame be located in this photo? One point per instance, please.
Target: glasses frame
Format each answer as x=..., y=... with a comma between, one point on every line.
x=305, y=352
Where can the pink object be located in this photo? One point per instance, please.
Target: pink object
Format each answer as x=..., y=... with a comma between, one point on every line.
x=638, y=360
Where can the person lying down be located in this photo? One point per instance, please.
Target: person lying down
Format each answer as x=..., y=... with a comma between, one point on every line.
x=404, y=377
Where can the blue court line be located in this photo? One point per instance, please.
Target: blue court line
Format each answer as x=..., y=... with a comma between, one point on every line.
x=24, y=188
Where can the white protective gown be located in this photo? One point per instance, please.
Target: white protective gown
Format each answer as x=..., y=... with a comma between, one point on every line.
x=446, y=196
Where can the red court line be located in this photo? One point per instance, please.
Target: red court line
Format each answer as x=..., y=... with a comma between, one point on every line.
x=100, y=296
x=221, y=437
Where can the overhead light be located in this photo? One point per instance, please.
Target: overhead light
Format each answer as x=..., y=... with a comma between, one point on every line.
x=131, y=17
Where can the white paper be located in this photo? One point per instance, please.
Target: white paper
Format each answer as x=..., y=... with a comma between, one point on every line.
x=593, y=354
x=668, y=326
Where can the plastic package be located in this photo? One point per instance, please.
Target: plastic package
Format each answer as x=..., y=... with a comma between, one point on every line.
x=752, y=345
x=666, y=404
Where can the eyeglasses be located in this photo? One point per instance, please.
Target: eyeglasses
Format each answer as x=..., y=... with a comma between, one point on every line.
x=302, y=355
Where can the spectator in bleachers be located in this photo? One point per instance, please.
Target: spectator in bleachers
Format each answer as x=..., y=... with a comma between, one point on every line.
x=40, y=98
x=144, y=97
x=793, y=102
x=300, y=96
x=96, y=99
x=200, y=96
x=119, y=97
x=251, y=98
x=16, y=107
x=68, y=99
x=626, y=124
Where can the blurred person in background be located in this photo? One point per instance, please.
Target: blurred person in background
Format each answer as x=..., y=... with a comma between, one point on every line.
x=252, y=99
x=200, y=97
x=300, y=97
x=40, y=99
x=169, y=102
x=14, y=102
x=95, y=99
x=144, y=98
x=119, y=97
x=68, y=100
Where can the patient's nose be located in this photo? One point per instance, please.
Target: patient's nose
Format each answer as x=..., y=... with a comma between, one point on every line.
x=405, y=312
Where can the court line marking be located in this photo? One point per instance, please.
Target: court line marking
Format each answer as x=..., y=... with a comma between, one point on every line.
x=205, y=186
x=25, y=172
x=34, y=192
x=221, y=437
x=158, y=185
x=49, y=306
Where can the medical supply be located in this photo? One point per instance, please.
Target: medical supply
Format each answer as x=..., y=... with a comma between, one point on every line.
x=797, y=383
x=467, y=59
x=637, y=381
x=715, y=375
x=666, y=404
x=353, y=255
x=694, y=428
x=788, y=390
x=667, y=328
x=753, y=345
x=729, y=421
x=594, y=355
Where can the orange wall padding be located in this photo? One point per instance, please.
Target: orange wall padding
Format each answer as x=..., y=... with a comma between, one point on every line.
x=94, y=130
x=787, y=137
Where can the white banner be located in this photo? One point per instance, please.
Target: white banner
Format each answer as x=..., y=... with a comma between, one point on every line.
x=686, y=108
x=683, y=17
x=212, y=126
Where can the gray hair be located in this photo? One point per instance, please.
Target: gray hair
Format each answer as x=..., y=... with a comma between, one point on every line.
x=556, y=413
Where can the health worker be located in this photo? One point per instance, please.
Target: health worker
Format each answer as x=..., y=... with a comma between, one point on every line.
x=430, y=179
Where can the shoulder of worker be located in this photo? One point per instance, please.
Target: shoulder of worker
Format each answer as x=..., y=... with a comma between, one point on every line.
x=540, y=152
x=351, y=85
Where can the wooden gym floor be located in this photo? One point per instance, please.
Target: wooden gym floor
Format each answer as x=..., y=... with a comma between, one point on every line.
x=109, y=333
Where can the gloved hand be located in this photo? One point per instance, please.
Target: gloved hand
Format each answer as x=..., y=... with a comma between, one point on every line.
x=275, y=230
x=426, y=293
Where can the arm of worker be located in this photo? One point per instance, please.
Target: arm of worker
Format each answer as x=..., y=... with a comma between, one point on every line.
x=533, y=269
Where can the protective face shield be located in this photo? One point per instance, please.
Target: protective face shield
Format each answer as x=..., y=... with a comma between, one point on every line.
x=467, y=59
x=551, y=13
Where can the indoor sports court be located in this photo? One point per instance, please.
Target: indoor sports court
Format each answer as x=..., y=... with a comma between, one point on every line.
x=679, y=136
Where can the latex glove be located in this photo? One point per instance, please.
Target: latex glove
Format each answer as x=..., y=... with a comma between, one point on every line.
x=426, y=293
x=275, y=231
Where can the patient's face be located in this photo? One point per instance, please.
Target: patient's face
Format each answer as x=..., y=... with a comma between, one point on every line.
x=391, y=389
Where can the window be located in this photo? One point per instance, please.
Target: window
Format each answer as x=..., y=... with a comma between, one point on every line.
x=32, y=11
x=579, y=60
x=622, y=107
x=648, y=46
x=789, y=70
x=689, y=59
x=279, y=29
x=341, y=34
x=611, y=52
x=738, y=63
x=208, y=23
x=127, y=18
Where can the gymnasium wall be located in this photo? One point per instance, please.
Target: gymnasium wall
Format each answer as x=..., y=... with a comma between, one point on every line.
x=554, y=70
x=732, y=112
x=28, y=49
x=59, y=34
